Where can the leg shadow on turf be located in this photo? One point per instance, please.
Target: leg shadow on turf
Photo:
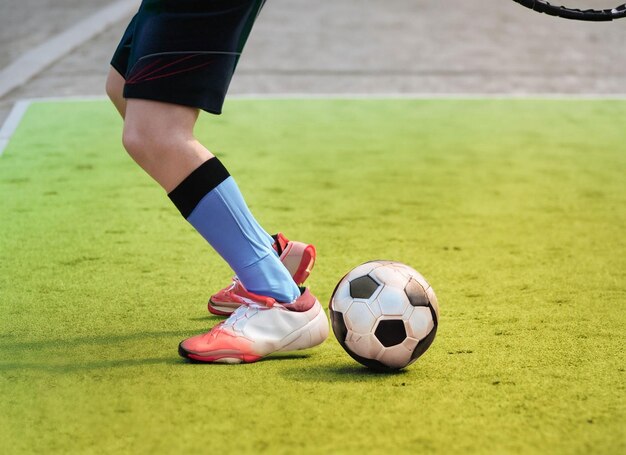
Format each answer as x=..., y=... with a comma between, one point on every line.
x=338, y=373
x=272, y=357
x=77, y=366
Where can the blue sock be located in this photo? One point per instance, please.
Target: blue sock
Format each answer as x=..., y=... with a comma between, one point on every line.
x=211, y=201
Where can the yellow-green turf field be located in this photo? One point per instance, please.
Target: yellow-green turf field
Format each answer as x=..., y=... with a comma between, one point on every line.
x=514, y=210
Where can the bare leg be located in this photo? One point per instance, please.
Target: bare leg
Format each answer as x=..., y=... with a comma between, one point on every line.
x=115, y=90
x=159, y=137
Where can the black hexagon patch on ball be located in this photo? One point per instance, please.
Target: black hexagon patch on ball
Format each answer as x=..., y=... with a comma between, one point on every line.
x=390, y=332
x=363, y=287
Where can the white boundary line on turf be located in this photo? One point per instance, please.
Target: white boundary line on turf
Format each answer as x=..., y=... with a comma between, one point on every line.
x=36, y=59
x=12, y=121
x=374, y=96
x=20, y=107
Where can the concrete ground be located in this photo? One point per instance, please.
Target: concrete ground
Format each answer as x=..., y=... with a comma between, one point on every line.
x=357, y=46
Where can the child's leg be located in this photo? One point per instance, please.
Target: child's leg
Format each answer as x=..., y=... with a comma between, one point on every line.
x=159, y=137
x=115, y=90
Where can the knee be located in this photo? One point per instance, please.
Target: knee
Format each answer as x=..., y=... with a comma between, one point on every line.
x=153, y=130
x=115, y=90
x=111, y=89
x=134, y=141
x=114, y=86
x=139, y=142
x=145, y=142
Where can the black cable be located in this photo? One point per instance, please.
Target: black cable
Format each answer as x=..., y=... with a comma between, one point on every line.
x=542, y=6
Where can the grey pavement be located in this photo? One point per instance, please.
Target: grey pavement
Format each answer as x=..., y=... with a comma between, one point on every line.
x=358, y=46
x=26, y=23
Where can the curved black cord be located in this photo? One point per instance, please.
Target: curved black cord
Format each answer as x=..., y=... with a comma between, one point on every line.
x=542, y=6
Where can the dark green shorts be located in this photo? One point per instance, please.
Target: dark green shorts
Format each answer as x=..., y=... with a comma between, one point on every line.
x=184, y=51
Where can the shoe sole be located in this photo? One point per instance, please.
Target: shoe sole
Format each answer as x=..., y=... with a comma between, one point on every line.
x=307, y=255
x=230, y=358
x=218, y=310
x=312, y=334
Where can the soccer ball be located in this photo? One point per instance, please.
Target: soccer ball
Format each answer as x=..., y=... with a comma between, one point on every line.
x=384, y=314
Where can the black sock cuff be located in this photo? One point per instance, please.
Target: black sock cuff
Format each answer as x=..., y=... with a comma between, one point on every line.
x=198, y=184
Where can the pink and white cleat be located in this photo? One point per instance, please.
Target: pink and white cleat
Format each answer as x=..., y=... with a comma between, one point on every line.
x=298, y=258
x=258, y=328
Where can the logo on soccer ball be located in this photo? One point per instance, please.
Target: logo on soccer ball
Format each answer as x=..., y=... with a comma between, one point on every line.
x=384, y=314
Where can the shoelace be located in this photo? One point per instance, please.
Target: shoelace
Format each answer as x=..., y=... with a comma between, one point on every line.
x=250, y=298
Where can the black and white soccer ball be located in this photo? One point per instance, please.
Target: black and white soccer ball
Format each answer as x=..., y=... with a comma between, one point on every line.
x=384, y=314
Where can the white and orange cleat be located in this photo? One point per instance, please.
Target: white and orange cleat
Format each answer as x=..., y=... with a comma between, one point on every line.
x=297, y=257
x=259, y=327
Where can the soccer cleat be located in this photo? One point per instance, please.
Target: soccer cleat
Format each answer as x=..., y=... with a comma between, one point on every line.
x=258, y=328
x=297, y=257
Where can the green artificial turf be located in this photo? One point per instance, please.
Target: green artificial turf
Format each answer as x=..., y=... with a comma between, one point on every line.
x=514, y=210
